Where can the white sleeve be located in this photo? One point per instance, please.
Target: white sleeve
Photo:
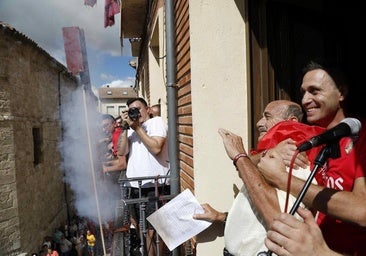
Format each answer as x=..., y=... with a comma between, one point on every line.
x=301, y=174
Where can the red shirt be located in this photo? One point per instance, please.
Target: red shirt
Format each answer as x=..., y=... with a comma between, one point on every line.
x=340, y=174
x=115, y=136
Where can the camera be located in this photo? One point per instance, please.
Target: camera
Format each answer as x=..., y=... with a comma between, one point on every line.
x=134, y=113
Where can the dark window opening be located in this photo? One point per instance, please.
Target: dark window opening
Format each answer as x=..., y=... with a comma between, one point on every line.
x=37, y=146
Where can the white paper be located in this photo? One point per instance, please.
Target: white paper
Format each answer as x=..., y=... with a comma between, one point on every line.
x=174, y=221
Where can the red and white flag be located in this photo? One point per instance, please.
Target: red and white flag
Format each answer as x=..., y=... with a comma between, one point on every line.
x=73, y=50
x=111, y=8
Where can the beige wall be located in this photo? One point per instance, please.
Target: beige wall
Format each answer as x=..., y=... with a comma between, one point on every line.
x=219, y=99
x=157, y=67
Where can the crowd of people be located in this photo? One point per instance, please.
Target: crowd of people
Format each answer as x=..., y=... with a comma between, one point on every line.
x=75, y=239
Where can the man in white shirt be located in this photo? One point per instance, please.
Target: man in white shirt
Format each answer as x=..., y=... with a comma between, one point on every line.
x=145, y=144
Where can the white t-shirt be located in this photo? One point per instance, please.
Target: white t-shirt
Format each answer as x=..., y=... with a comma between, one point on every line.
x=141, y=162
x=244, y=231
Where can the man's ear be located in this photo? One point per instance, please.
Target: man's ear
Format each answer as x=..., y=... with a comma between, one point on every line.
x=344, y=93
x=293, y=118
x=148, y=109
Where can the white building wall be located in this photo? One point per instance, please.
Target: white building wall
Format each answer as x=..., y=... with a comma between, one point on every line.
x=219, y=82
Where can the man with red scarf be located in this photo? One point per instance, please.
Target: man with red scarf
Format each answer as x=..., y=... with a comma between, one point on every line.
x=245, y=235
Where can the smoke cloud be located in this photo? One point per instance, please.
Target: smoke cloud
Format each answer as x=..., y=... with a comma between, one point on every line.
x=95, y=195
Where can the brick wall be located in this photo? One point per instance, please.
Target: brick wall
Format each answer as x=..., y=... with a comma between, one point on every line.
x=32, y=92
x=185, y=128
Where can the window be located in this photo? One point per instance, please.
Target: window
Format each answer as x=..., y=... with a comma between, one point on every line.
x=37, y=146
x=121, y=109
x=154, y=43
x=110, y=110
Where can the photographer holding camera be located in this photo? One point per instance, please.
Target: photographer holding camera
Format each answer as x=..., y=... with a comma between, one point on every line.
x=145, y=143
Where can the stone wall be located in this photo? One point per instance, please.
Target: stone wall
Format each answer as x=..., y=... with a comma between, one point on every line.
x=33, y=89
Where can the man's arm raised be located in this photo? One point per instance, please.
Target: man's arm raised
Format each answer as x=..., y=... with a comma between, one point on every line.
x=261, y=194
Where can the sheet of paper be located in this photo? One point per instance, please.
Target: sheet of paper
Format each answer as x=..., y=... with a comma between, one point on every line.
x=174, y=222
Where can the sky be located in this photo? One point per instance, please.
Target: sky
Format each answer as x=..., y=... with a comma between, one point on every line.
x=42, y=21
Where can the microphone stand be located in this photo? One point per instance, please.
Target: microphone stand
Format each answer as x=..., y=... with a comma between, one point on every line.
x=331, y=150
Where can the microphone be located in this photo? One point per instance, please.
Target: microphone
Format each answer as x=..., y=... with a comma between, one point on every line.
x=347, y=127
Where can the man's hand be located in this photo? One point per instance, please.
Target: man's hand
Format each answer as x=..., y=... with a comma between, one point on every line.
x=133, y=124
x=286, y=149
x=272, y=167
x=289, y=236
x=233, y=143
x=210, y=214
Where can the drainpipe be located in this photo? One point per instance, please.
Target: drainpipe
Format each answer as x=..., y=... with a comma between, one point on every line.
x=172, y=103
x=172, y=98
